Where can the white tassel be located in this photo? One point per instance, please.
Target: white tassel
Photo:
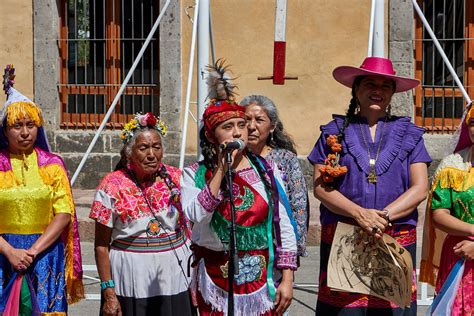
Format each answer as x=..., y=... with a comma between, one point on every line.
x=251, y=304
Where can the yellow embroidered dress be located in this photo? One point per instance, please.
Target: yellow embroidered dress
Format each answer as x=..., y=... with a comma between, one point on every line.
x=33, y=189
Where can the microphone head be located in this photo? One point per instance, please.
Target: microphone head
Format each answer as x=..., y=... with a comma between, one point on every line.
x=241, y=143
x=238, y=144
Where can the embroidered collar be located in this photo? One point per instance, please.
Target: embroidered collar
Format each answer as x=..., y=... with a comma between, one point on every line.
x=399, y=139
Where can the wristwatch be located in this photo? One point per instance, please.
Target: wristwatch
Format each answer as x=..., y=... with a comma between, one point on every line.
x=107, y=284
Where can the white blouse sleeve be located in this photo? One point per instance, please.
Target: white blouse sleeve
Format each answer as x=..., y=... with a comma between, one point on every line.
x=287, y=257
x=198, y=204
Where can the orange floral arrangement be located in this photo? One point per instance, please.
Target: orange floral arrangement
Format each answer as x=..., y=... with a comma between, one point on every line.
x=332, y=168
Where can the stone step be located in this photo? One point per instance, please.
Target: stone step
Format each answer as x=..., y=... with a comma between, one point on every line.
x=83, y=201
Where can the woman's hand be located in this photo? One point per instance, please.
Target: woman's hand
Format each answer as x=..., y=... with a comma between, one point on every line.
x=221, y=159
x=372, y=221
x=20, y=259
x=111, y=304
x=284, y=293
x=465, y=249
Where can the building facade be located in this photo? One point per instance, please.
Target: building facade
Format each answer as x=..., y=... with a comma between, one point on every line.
x=71, y=57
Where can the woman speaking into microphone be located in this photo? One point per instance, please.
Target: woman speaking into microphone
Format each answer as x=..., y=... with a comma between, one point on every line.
x=261, y=220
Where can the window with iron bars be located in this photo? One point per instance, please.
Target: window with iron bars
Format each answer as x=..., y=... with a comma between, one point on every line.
x=439, y=103
x=99, y=41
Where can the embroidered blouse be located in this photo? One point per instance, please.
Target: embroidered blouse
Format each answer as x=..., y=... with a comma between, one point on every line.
x=402, y=145
x=200, y=206
x=120, y=204
x=454, y=188
x=295, y=185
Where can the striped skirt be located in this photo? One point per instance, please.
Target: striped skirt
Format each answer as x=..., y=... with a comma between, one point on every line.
x=150, y=275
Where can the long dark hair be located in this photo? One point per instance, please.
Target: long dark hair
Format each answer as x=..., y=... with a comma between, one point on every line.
x=208, y=150
x=280, y=138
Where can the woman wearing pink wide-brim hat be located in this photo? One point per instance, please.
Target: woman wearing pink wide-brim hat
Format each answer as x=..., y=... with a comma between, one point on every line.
x=370, y=170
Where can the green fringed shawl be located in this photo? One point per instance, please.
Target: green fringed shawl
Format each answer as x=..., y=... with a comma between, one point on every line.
x=247, y=237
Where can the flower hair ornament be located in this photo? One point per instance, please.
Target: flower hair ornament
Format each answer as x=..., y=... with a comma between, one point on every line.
x=332, y=169
x=141, y=121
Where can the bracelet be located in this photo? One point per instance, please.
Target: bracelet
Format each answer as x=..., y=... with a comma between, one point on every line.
x=107, y=284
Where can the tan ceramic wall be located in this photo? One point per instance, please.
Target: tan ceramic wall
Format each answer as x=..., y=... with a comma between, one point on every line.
x=16, y=38
x=321, y=34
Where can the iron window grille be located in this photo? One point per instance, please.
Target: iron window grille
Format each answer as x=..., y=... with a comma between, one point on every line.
x=99, y=40
x=439, y=103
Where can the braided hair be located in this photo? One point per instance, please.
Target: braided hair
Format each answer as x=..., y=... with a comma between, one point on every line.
x=210, y=156
x=208, y=150
x=353, y=109
x=354, y=106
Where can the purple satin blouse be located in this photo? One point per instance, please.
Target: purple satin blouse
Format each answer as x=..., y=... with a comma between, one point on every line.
x=402, y=145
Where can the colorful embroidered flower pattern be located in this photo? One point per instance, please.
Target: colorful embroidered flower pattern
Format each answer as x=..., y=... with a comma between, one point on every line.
x=153, y=228
x=332, y=168
x=246, y=200
x=100, y=213
x=141, y=121
x=129, y=202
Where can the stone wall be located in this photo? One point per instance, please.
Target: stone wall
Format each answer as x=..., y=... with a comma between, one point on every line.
x=72, y=144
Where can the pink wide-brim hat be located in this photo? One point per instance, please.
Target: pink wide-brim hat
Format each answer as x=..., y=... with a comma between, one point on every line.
x=374, y=66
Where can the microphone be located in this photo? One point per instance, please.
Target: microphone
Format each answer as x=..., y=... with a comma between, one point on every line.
x=235, y=144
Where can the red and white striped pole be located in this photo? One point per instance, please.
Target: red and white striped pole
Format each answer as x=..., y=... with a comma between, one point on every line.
x=279, y=46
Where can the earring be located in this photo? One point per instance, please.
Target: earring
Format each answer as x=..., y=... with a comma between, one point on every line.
x=271, y=136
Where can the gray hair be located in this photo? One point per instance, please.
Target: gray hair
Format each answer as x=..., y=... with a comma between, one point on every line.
x=127, y=148
x=267, y=105
x=280, y=138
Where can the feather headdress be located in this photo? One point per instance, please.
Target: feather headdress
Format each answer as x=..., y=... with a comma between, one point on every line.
x=17, y=106
x=219, y=82
x=8, y=78
x=222, y=105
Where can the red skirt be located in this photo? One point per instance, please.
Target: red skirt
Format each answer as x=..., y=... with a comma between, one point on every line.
x=251, y=295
